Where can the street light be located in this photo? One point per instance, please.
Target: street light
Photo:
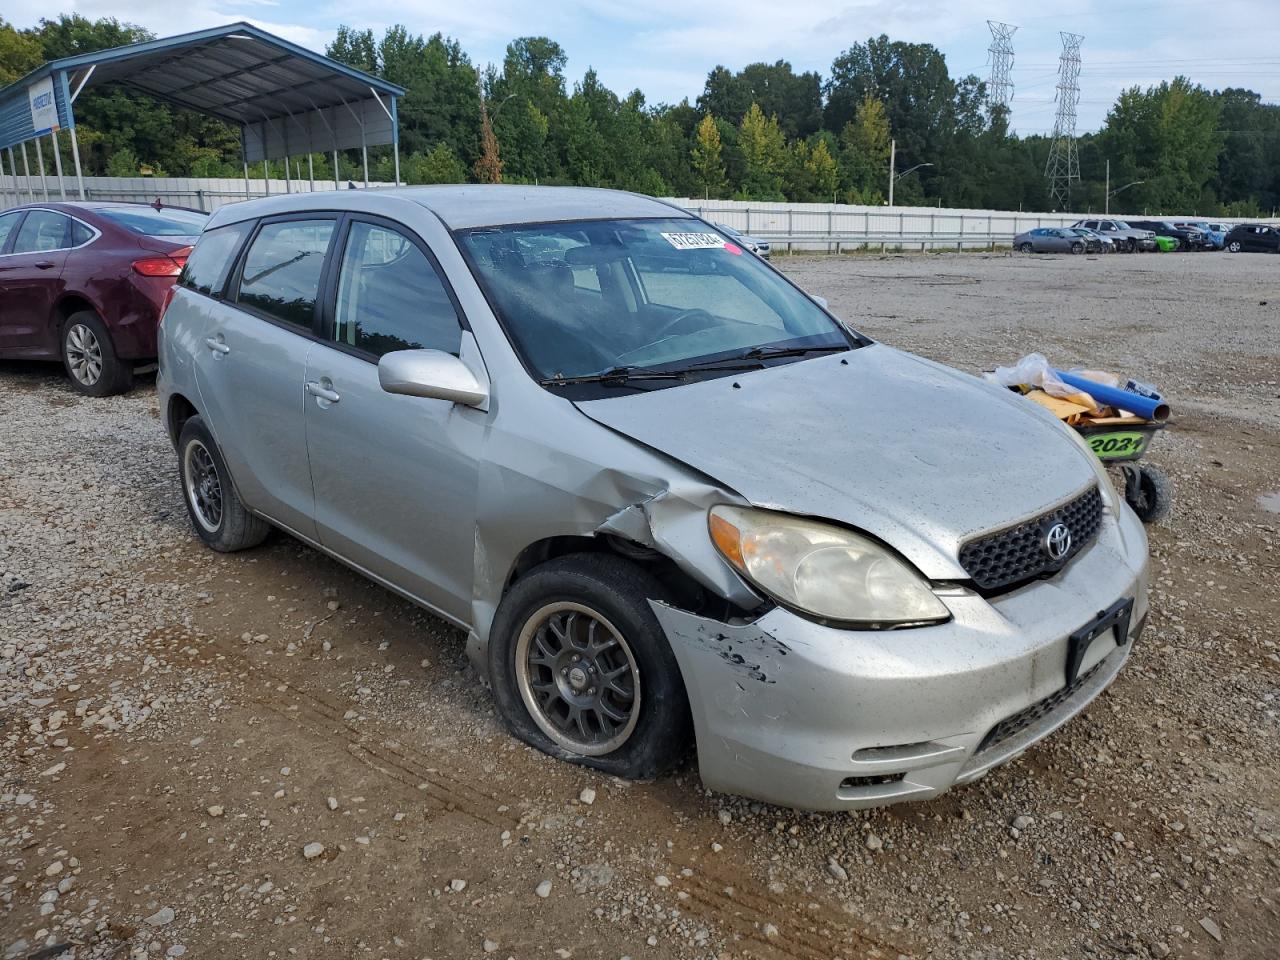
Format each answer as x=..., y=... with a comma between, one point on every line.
x=895, y=177
x=1108, y=193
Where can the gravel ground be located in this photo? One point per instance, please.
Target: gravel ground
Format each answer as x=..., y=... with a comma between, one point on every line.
x=264, y=755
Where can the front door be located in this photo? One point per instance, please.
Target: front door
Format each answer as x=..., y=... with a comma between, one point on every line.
x=395, y=477
x=253, y=363
x=30, y=278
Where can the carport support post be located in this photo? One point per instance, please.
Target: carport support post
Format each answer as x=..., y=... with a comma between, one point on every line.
x=335, y=169
x=75, y=155
x=57, y=164
x=311, y=170
x=17, y=200
x=266, y=176
x=247, y=194
x=26, y=170
x=44, y=180
x=364, y=157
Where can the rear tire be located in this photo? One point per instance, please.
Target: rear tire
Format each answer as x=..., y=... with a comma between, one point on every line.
x=90, y=357
x=582, y=670
x=217, y=514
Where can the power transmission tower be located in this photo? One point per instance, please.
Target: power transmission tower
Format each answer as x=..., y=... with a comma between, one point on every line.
x=1000, y=87
x=1064, y=162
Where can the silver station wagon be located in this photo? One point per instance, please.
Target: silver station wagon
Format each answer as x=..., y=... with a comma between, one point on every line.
x=667, y=494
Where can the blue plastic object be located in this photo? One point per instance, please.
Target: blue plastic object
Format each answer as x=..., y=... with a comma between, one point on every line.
x=1135, y=403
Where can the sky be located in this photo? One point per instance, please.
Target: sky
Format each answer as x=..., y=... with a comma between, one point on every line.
x=666, y=47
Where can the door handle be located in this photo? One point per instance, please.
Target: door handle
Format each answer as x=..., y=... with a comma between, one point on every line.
x=45, y=264
x=217, y=345
x=319, y=390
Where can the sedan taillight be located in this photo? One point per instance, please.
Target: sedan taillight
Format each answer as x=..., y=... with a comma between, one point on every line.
x=166, y=265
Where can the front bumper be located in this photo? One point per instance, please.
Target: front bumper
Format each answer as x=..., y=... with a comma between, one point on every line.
x=795, y=713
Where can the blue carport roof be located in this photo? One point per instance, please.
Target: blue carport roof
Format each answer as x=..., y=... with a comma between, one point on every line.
x=238, y=73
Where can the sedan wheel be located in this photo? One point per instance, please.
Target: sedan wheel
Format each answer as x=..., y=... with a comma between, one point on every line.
x=1234, y=246
x=1025, y=248
x=578, y=678
x=90, y=357
x=1077, y=248
x=84, y=355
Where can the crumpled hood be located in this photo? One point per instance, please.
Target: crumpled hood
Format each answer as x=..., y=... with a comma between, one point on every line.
x=913, y=452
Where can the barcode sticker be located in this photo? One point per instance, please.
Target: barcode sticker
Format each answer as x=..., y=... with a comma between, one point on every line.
x=695, y=241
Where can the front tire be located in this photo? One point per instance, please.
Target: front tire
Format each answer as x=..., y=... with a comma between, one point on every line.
x=90, y=357
x=582, y=670
x=1026, y=248
x=1077, y=248
x=1149, y=492
x=218, y=516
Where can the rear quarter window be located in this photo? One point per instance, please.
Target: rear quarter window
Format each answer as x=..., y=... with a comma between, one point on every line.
x=210, y=261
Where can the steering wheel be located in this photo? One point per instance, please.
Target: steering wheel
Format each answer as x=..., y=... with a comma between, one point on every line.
x=678, y=319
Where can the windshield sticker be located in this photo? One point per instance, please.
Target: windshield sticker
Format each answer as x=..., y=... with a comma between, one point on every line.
x=695, y=241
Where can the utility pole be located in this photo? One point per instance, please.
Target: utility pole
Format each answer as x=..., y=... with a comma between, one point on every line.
x=893, y=156
x=1000, y=86
x=1064, y=162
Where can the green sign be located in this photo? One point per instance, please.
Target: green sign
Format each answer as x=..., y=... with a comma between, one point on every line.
x=1123, y=444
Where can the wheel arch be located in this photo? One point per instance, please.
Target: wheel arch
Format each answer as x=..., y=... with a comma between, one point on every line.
x=178, y=412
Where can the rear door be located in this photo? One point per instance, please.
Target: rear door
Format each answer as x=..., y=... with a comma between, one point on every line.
x=395, y=477
x=252, y=360
x=30, y=280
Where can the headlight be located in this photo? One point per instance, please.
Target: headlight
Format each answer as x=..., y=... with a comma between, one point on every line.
x=825, y=571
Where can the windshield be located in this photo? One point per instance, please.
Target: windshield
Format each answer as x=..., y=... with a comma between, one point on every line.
x=587, y=297
x=156, y=223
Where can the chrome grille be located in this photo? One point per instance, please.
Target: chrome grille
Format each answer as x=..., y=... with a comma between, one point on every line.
x=1015, y=555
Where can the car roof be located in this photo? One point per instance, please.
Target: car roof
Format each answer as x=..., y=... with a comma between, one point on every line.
x=462, y=206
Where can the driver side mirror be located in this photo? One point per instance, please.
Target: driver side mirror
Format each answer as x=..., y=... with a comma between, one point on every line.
x=433, y=374
x=820, y=301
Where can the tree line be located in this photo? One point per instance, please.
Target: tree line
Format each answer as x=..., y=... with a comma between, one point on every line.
x=764, y=132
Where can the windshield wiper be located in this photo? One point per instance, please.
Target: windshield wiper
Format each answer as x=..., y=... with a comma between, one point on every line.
x=773, y=353
x=615, y=375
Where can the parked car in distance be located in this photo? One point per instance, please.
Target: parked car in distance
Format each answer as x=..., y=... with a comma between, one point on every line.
x=1213, y=239
x=1094, y=242
x=649, y=477
x=754, y=244
x=1050, y=240
x=1254, y=238
x=1188, y=238
x=1166, y=244
x=1126, y=237
x=86, y=282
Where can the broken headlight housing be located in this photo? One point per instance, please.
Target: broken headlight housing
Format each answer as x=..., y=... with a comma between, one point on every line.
x=823, y=571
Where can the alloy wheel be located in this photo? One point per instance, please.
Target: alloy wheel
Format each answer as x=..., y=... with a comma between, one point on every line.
x=578, y=678
x=203, y=488
x=84, y=354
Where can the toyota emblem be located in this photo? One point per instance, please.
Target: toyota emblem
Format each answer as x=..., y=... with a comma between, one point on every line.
x=1057, y=541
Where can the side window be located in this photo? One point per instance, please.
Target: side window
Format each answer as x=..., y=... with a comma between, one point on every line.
x=80, y=233
x=390, y=296
x=42, y=230
x=7, y=222
x=210, y=261
x=281, y=274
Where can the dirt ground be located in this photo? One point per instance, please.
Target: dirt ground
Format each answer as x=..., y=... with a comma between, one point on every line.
x=177, y=726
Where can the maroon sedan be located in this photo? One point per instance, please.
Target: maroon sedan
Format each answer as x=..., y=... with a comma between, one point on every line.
x=85, y=283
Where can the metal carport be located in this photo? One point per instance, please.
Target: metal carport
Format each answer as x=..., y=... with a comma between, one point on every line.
x=286, y=100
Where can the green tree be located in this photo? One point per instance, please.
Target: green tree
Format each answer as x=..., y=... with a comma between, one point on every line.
x=795, y=99
x=763, y=155
x=123, y=163
x=438, y=165
x=355, y=48
x=20, y=53
x=1168, y=137
x=708, y=164
x=864, y=152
